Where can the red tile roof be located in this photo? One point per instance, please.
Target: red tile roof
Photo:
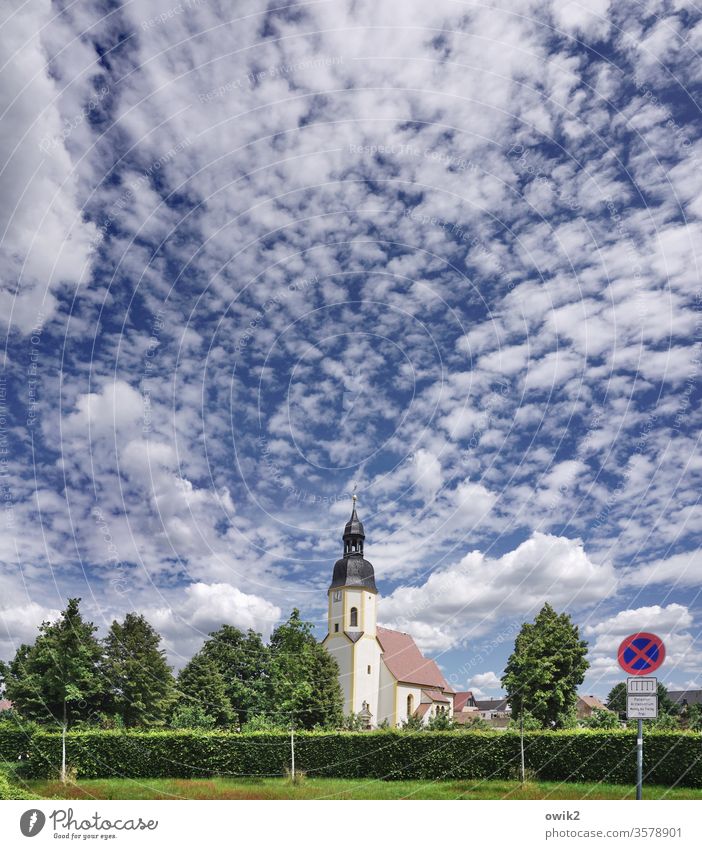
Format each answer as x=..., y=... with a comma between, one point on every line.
x=593, y=702
x=407, y=663
x=436, y=696
x=422, y=709
x=460, y=699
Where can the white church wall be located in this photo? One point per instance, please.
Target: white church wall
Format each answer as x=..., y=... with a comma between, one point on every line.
x=353, y=600
x=355, y=659
x=336, y=612
x=386, y=696
x=403, y=691
x=340, y=648
x=367, y=676
x=369, y=604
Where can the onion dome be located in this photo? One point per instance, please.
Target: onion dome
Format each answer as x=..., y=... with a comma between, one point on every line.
x=353, y=570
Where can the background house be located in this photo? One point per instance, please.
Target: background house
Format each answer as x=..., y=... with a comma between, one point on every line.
x=465, y=709
x=683, y=698
x=496, y=712
x=586, y=705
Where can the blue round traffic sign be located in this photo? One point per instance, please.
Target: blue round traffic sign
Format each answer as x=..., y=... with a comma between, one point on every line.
x=641, y=653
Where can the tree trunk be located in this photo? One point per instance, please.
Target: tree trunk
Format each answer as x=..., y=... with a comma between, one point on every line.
x=292, y=753
x=63, y=745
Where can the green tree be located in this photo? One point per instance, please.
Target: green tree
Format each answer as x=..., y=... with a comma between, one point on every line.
x=262, y=722
x=547, y=666
x=142, y=687
x=304, y=678
x=692, y=717
x=192, y=715
x=201, y=683
x=528, y=722
x=616, y=700
x=353, y=722
x=605, y=719
x=665, y=722
x=57, y=679
x=243, y=661
x=440, y=722
x=665, y=703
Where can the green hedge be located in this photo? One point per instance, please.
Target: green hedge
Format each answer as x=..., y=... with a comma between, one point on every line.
x=10, y=791
x=14, y=743
x=670, y=757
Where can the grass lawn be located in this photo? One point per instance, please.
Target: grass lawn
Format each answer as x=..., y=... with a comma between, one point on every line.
x=330, y=788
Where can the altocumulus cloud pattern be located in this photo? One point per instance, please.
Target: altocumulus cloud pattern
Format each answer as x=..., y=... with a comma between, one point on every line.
x=255, y=254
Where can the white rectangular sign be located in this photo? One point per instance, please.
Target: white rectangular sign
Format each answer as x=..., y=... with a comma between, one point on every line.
x=641, y=707
x=641, y=686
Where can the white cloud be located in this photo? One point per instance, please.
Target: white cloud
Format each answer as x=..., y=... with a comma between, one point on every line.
x=393, y=347
x=680, y=570
x=427, y=472
x=115, y=410
x=643, y=619
x=670, y=622
x=20, y=624
x=45, y=242
x=201, y=608
x=465, y=600
x=208, y=605
x=184, y=618
x=582, y=18
x=488, y=680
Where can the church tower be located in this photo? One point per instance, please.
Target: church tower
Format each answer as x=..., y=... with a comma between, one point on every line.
x=352, y=635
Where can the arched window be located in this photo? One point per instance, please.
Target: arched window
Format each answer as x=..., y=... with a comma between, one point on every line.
x=354, y=617
x=410, y=705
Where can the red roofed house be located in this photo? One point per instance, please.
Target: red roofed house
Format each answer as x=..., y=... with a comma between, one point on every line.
x=465, y=702
x=465, y=708
x=586, y=705
x=382, y=673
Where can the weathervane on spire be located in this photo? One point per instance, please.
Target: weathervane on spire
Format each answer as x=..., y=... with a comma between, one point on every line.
x=354, y=497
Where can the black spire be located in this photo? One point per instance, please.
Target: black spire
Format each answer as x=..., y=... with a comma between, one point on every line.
x=353, y=533
x=353, y=570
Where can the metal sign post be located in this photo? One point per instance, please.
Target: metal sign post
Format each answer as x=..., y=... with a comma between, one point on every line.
x=638, y=655
x=641, y=703
x=639, y=760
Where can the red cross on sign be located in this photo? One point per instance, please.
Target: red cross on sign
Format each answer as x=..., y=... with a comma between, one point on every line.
x=641, y=654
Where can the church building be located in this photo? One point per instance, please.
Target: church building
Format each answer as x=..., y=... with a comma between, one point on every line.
x=383, y=675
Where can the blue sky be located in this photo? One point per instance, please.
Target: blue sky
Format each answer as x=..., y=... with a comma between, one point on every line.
x=253, y=255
